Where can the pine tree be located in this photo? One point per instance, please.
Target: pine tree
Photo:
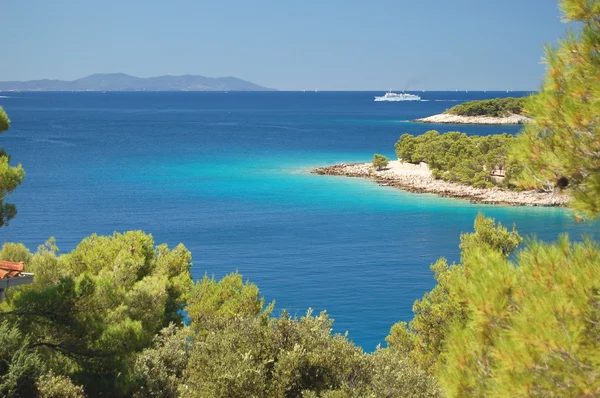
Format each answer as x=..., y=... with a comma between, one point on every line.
x=423, y=340
x=562, y=148
x=532, y=326
x=10, y=177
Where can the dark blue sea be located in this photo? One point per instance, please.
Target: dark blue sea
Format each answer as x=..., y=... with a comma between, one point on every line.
x=228, y=175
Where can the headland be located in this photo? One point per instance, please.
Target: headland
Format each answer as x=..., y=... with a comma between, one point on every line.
x=418, y=179
x=448, y=118
x=506, y=110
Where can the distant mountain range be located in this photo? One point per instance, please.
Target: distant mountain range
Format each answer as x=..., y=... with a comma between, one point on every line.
x=123, y=82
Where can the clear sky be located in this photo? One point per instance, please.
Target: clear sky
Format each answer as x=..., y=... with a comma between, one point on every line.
x=286, y=44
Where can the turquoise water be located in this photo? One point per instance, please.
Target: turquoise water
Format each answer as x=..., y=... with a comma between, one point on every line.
x=227, y=175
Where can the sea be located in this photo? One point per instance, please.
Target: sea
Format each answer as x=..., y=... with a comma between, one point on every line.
x=228, y=175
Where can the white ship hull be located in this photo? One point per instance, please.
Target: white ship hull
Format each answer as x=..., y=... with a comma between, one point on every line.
x=389, y=96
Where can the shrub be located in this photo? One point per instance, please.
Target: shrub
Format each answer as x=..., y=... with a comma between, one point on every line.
x=380, y=161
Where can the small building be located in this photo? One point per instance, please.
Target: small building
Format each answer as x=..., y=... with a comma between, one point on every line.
x=11, y=274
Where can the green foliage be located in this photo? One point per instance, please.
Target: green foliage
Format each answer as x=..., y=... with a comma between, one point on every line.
x=158, y=370
x=497, y=107
x=494, y=327
x=239, y=350
x=280, y=357
x=457, y=157
x=395, y=377
x=561, y=148
x=532, y=327
x=487, y=234
x=20, y=367
x=405, y=147
x=90, y=311
x=214, y=303
x=93, y=320
x=94, y=316
x=380, y=161
x=4, y=121
x=10, y=177
x=53, y=386
x=16, y=252
x=424, y=338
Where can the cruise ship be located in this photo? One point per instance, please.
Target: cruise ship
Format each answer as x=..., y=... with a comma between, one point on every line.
x=389, y=96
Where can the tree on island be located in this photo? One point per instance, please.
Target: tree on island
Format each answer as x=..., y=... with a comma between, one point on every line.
x=562, y=149
x=456, y=157
x=10, y=177
x=496, y=107
x=380, y=161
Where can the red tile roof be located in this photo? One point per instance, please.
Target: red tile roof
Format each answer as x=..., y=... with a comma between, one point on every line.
x=9, y=269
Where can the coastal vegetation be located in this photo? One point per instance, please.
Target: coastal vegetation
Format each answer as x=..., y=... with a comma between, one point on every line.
x=10, y=176
x=457, y=157
x=563, y=147
x=107, y=318
x=496, y=107
x=380, y=161
x=527, y=324
x=499, y=327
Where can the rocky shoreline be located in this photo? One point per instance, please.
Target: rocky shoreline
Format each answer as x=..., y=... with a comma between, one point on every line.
x=447, y=118
x=418, y=179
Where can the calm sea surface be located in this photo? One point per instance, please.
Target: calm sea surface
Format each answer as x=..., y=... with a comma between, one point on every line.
x=227, y=175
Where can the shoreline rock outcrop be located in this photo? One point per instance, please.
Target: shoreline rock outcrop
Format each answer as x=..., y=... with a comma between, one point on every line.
x=448, y=118
x=418, y=179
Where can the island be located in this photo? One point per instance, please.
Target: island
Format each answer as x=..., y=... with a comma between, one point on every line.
x=493, y=111
x=124, y=82
x=453, y=164
x=418, y=178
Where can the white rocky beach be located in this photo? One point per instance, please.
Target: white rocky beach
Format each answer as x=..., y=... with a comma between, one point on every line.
x=447, y=118
x=417, y=178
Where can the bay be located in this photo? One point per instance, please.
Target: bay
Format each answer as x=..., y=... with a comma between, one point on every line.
x=227, y=174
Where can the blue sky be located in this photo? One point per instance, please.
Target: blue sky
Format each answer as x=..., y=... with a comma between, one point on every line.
x=288, y=45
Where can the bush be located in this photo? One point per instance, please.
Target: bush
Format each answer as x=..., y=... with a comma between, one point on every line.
x=158, y=370
x=380, y=161
x=53, y=386
x=94, y=309
x=277, y=357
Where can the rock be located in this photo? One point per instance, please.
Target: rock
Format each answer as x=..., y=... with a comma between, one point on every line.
x=447, y=118
x=417, y=178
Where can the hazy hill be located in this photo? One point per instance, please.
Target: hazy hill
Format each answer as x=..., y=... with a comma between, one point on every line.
x=123, y=82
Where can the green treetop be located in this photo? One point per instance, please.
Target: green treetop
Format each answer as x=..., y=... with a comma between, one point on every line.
x=562, y=149
x=496, y=107
x=10, y=177
x=240, y=350
x=456, y=157
x=380, y=161
x=89, y=312
x=423, y=339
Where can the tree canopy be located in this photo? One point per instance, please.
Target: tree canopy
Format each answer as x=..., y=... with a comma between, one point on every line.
x=456, y=156
x=499, y=327
x=423, y=339
x=562, y=147
x=380, y=161
x=89, y=311
x=106, y=319
x=496, y=107
x=10, y=177
x=526, y=325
